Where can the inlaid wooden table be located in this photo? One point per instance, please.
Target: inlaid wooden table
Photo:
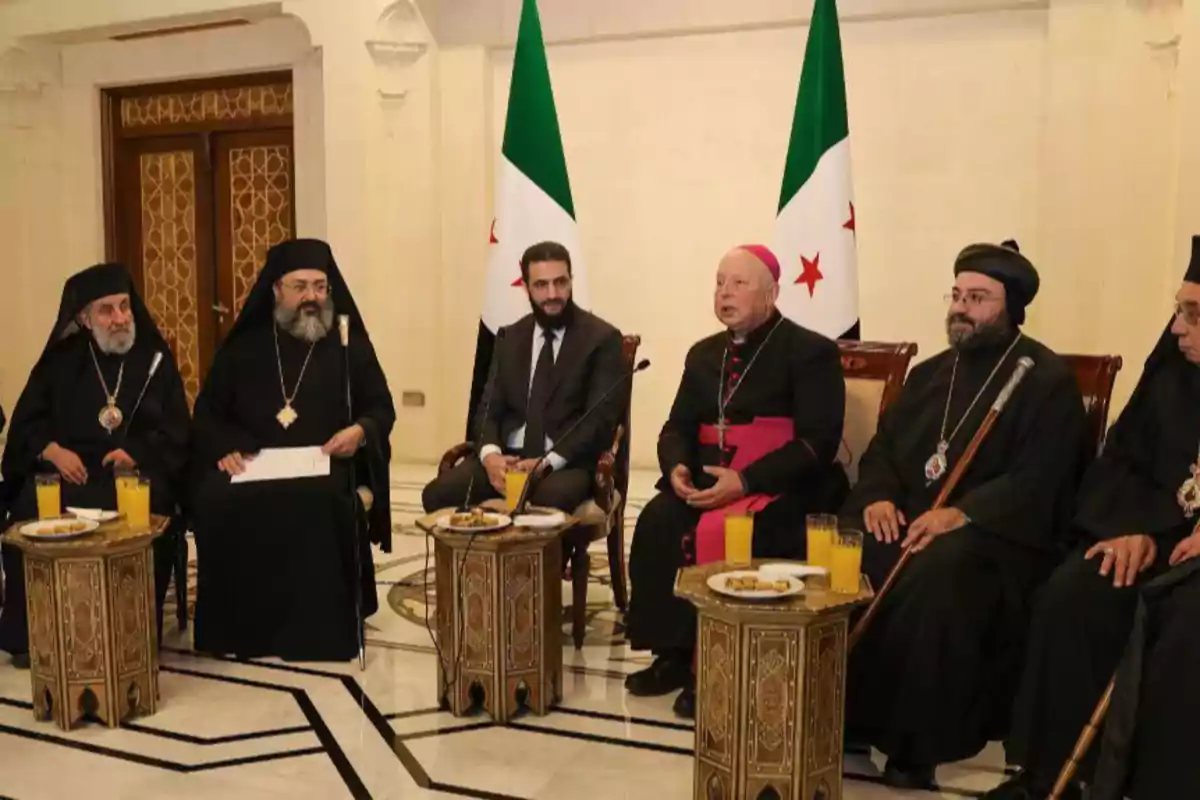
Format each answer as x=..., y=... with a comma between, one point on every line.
x=499, y=612
x=92, y=636
x=770, y=689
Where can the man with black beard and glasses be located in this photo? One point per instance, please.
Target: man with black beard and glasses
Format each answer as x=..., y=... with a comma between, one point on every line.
x=278, y=570
x=76, y=416
x=933, y=678
x=550, y=366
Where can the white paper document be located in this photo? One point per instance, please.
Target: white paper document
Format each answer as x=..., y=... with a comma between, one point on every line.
x=284, y=463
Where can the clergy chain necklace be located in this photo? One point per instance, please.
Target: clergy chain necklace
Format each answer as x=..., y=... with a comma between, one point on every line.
x=110, y=416
x=287, y=415
x=937, y=464
x=723, y=400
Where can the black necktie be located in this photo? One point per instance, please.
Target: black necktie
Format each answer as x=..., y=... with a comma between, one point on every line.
x=539, y=393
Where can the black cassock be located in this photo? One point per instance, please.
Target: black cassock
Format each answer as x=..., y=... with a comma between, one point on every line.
x=932, y=679
x=787, y=373
x=276, y=565
x=60, y=403
x=1081, y=622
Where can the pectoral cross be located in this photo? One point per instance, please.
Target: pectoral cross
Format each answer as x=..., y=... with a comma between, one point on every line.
x=722, y=426
x=1188, y=496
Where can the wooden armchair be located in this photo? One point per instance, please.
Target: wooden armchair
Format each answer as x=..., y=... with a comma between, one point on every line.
x=1096, y=376
x=874, y=373
x=600, y=517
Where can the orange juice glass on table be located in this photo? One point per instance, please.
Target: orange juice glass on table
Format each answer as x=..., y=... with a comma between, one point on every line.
x=739, y=538
x=847, y=551
x=127, y=484
x=514, y=484
x=822, y=530
x=139, y=504
x=49, y=495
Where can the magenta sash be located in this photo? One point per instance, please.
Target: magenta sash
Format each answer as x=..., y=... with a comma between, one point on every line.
x=750, y=442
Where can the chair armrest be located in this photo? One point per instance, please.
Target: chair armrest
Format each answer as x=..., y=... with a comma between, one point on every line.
x=606, y=467
x=454, y=455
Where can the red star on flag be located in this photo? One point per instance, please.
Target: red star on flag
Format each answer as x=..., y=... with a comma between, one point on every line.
x=811, y=273
x=850, y=223
x=519, y=281
x=492, y=235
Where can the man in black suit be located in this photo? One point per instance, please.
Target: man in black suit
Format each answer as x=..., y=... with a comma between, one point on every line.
x=548, y=368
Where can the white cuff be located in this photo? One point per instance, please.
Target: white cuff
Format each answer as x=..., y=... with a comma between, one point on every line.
x=489, y=450
x=555, y=461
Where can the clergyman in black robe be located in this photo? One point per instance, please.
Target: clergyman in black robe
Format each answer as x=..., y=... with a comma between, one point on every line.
x=1131, y=523
x=285, y=566
x=91, y=406
x=932, y=679
x=755, y=425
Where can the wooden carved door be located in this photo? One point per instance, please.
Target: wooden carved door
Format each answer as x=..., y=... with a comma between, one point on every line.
x=199, y=187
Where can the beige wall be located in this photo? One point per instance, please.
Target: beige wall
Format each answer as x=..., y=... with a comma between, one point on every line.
x=1068, y=125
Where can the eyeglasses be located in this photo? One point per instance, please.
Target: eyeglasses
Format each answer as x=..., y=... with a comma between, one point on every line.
x=1189, y=313
x=971, y=299
x=319, y=288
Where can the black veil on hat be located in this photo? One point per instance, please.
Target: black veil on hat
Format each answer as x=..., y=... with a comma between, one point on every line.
x=289, y=256
x=79, y=290
x=1003, y=262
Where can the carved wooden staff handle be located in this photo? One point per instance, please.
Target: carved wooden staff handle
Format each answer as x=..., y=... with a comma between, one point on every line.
x=1024, y=364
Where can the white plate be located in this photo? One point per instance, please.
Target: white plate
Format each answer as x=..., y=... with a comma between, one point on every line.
x=44, y=529
x=793, y=570
x=717, y=584
x=93, y=513
x=540, y=520
x=502, y=522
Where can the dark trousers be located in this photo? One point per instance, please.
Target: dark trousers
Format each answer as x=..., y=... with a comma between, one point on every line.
x=563, y=490
x=1080, y=626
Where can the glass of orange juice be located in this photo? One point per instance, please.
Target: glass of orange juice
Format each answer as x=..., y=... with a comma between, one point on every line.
x=49, y=495
x=127, y=483
x=846, y=562
x=739, y=538
x=514, y=484
x=139, y=504
x=822, y=528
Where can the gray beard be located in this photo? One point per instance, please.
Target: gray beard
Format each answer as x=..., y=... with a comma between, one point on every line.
x=115, y=344
x=304, y=325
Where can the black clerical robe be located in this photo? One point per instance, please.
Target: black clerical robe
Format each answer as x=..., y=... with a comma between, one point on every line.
x=277, y=562
x=932, y=679
x=61, y=403
x=1081, y=623
x=783, y=428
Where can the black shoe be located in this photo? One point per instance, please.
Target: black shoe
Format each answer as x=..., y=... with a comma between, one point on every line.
x=685, y=704
x=20, y=660
x=1025, y=786
x=899, y=775
x=667, y=674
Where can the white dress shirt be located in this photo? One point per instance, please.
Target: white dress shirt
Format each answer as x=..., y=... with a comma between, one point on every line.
x=517, y=439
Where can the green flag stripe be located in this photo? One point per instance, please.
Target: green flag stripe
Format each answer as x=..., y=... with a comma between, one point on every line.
x=820, y=121
x=532, y=141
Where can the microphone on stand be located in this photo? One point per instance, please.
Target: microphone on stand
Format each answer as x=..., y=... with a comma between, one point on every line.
x=154, y=364
x=533, y=473
x=344, y=334
x=485, y=405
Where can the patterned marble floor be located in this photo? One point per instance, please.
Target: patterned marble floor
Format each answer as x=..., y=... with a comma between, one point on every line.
x=265, y=729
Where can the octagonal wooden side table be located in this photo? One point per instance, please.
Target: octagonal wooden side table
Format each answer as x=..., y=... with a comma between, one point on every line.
x=93, y=646
x=770, y=690
x=499, y=618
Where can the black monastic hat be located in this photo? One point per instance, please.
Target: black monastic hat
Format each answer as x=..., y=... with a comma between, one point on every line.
x=1003, y=262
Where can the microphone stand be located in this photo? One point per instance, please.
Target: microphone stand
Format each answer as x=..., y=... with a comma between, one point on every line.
x=534, y=473
x=154, y=363
x=360, y=623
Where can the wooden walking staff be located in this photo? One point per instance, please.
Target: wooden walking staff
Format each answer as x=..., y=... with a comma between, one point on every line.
x=1024, y=364
x=1086, y=737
